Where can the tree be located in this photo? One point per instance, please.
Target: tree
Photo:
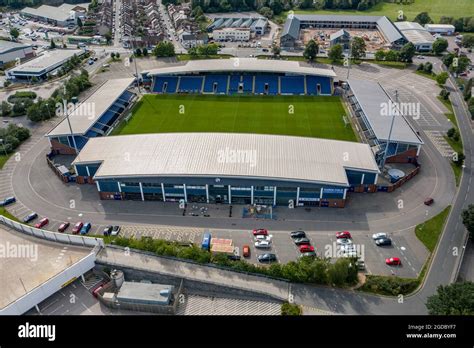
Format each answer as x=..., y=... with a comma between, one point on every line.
x=468, y=40
x=380, y=55
x=138, y=52
x=276, y=7
x=444, y=94
x=79, y=22
x=14, y=33
x=441, y=78
x=467, y=216
x=462, y=64
x=6, y=108
x=470, y=106
x=335, y=53
x=423, y=18
x=453, y=299
x=266, y=12
x=467, y=90
x=164, y=49
x=448, y=59
x=451, y=131
x=311, y=50
x=428, y=68
x=145, y=52
x=108, y=37
x=407, y=52
x=440, y=45
x=358, y=47
x=52, y=45
x=275, y=50
x=391, y=56
x=112, y=55
x=117, y=55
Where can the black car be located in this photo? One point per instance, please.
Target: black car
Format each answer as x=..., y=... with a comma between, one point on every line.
x=30, y=217
x=8, y=200
x=298, y=234
x=308, y=254
x=107, y=231
x=233, y=257
x=267, y=258
x=383, y=241
x=302, y=241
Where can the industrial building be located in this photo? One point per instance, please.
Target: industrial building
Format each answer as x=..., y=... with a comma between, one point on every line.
x=443, y=29
x=341, y=37
x=368, y=100
x=94, y=117
x=226, y=168
x=13, y=51
x=257, y=25
x=290, y=36
x=231, y=34
x=63, y=15
x=242, y=76
x=417, y=35
x=43, y=65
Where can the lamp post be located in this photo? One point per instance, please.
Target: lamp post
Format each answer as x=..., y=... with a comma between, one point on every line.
x=390, y=132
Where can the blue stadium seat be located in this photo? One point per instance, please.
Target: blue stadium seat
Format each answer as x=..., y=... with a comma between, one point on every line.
x=266, y=80
x=220, y=82
x=292, y=84
x=108, y=118
x=245, y=80
x=312, y=83
x=190, y=84
x=171, y=83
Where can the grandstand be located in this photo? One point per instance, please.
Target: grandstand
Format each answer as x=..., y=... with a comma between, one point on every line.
x=241, y=76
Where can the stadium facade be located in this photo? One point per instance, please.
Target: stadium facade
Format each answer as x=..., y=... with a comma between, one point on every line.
x=226, y=168
x=241, y=76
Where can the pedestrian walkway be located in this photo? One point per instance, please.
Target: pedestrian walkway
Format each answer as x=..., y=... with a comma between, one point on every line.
x=436, y=137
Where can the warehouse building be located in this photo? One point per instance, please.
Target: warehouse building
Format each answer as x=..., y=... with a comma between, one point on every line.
x=417, y=35
x=43, y=65
x=231, y=34
x=226, y=168
x=295, y=22
x=13, y=51
x=443, y=29
x=94, y=117
x=63, y=15
x=256, y=25
x=374, y=109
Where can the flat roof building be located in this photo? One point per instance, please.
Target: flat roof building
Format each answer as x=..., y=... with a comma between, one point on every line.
x=257, y=25
x=63, y=15
x=11, y=51
x=145, y=293
x=417, y=35
x=43, y=65
x=446, y=29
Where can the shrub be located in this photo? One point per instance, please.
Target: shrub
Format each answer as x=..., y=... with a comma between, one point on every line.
x=290, y=309
x=392, y=286
x=450, y=133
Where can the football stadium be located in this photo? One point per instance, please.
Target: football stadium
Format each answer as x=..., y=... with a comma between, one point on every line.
x=232, y=131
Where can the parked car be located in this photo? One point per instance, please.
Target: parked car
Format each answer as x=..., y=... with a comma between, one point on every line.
x=298, y=234
x=266, y=258
x=77, y=227
x=260, y=231
x=343, y=234
x=348, y=248
x=262, y=237
x=344, y=241
x=428, y=201
x=393, y=261
x=115, y=230
x=246, y=251
x=63, y=227
x=263, y=244
x=107, y=230
x=360, y=265
x=306, y=248
x=379, y=235
x=351, y=253
x=86, y=228
x=233, y=257
x=308, y=254
x=301, y=241
x=42, y=222
x=7, y=201
x=383, y=242
x=30, y=217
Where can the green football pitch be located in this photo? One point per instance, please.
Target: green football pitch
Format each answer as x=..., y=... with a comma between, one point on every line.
x=320, y=117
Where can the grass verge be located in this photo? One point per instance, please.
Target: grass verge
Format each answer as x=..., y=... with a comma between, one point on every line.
x=4, y=159
x=427, y=75
x=185, y=57
x=5, y=213
x=429, y=231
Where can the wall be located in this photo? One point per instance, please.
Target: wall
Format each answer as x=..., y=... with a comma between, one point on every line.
x=404, y=157
x=62, y=149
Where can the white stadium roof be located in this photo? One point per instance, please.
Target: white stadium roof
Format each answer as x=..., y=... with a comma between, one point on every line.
x=46, y=60
x=307, y=160
x=242, y=65
x=102, y=99
x=371, y=97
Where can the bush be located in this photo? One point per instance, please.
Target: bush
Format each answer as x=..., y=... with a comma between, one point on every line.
x=444, y=94
x=420, y=67
x=450, y=133
x=21, y=95
x=13, y=136
x=392, y=286
x=290, y=309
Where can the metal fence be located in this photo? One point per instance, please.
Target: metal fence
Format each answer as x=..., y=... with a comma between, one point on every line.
x=96, y=243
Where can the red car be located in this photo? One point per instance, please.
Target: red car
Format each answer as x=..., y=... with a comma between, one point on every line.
x=306, y=248
x=393, y=261
x=77, y=227
x=63, y=227
x=260, y=232
x=343, y=234
x=246, y=251
x=42, y=222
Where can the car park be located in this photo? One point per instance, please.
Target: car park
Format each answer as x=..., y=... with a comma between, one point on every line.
x=379, y=235
x=115, y=230
x=63, y=227
x=393, y=261
x=77, y=227
x=305, y=248
x=30, y=217
x=344, y=241
x=266, y=258
x=260, y=231
x=383, y=242
x=301, y=241
x=43, y=222
x=246, y=251
x=86, y=228
x=263, y=244
x=7, y=201
x=343, y=234
x=298, y=234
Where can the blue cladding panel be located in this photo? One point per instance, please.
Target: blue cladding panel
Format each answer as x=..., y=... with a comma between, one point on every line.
x=221, y=81
x=270, y=80
x=108, y=186
x=369, y=178
x=312, y=85
x=292, y=84
x=81, y=170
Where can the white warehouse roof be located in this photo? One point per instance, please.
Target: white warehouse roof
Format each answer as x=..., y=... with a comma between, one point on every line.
x=415, y=33
x=81, y=118
x=307, y=160
x=242, y=65
x=45, y=61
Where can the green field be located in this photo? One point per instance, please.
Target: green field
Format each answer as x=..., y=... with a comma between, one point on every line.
x=320, y=117
x=435, y=8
